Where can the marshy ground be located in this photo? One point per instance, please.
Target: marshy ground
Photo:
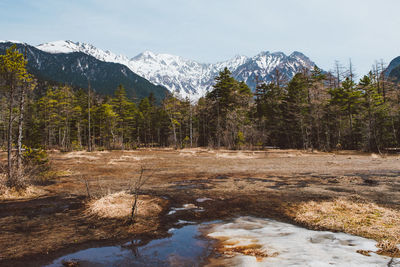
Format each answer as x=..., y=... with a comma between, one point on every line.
x=286, y=185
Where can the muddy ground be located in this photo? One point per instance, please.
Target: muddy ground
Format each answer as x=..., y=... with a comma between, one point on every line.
x=257, y=183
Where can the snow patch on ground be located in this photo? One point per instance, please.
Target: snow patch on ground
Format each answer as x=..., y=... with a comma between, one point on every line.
x=184, y=222
x=185, y=207
x=203, y=199
x=171, y=212
x=292, y=246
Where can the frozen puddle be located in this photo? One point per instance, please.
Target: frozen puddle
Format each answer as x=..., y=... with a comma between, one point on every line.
x=270, y=243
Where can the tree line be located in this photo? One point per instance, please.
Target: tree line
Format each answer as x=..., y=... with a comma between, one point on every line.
x=314, y=110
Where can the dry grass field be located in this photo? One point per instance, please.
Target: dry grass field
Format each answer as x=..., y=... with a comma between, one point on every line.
x=288, y=185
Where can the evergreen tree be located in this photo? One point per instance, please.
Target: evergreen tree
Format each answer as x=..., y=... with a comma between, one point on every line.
x=14, y=81
x=315, y=110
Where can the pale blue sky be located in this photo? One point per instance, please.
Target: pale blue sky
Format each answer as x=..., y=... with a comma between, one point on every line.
x=215, y=30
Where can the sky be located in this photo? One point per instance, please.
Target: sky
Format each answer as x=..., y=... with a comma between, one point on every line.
x=363, y=31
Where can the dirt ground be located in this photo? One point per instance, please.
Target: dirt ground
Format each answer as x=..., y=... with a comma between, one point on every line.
x=256, y=183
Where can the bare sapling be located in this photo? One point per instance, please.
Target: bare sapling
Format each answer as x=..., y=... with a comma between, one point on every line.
x=86, y=182
x=135, y=190
x=87, y=188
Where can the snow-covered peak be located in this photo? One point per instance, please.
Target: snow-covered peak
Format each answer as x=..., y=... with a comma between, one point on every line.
x=11, y=41
x=232, y=63
x=70, y=47
x=59, y=47
x=162, y=59
x=189, y=78
x=145, y=54
x=182, y=76
x=298, y=56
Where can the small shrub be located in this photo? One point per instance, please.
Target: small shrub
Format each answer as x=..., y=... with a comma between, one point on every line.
x=44, y=178
x=185, y=142
x=36, y=157
x=76, y=146
x=37, y=166
x=240, y=140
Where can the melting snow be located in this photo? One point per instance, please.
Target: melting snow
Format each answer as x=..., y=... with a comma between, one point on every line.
x=171, y=212
x=294, y=246
x=185, y=207
x=184, y=222
x=203, y=199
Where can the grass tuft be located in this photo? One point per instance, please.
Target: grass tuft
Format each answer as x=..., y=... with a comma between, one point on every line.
x=354, y=217
x=7, y=193
x=119, y=205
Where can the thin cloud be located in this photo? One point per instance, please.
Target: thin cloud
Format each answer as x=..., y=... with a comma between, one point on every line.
x=210, y=31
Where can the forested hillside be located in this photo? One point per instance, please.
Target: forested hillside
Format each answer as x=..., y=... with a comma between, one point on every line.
x=78, y=69
x=315, y=110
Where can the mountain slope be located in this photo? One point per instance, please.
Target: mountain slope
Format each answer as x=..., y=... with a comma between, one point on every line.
x=194, y=79
x=263, y=67
x=77, y=68
x=393, y=70
x=395, y=74
x=190, y=78
x=393, y=64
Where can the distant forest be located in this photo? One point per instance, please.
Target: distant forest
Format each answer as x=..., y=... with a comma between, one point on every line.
x=315, y=110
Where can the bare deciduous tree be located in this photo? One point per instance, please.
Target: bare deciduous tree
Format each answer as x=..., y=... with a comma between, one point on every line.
x=135, y=190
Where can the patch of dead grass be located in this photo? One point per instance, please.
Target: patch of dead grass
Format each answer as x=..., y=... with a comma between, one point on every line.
x=354, y=217
x=30, y=191
x=228, y=249
x=235, y=155
x=80, y=155
x=14, y=194
x=119, y=205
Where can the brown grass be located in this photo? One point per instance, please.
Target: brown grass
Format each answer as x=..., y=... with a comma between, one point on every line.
x=354, y=217
x=119, y=205
x=80, y=154
x=14, y=194
x=7, y=193
x=254, y=250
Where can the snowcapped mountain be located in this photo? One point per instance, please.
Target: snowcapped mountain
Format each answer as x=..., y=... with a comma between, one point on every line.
x=264, y=67
x=78, y=68
x=189, y=78
x=70, y=47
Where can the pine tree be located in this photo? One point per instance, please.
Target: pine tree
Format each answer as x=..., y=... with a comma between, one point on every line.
x=123, y=108
x=14, y=81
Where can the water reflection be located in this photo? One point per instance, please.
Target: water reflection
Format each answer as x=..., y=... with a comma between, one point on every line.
x=185, y=247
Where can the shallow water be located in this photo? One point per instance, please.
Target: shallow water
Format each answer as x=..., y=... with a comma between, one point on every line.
x=286, y=245
x=185, y=247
